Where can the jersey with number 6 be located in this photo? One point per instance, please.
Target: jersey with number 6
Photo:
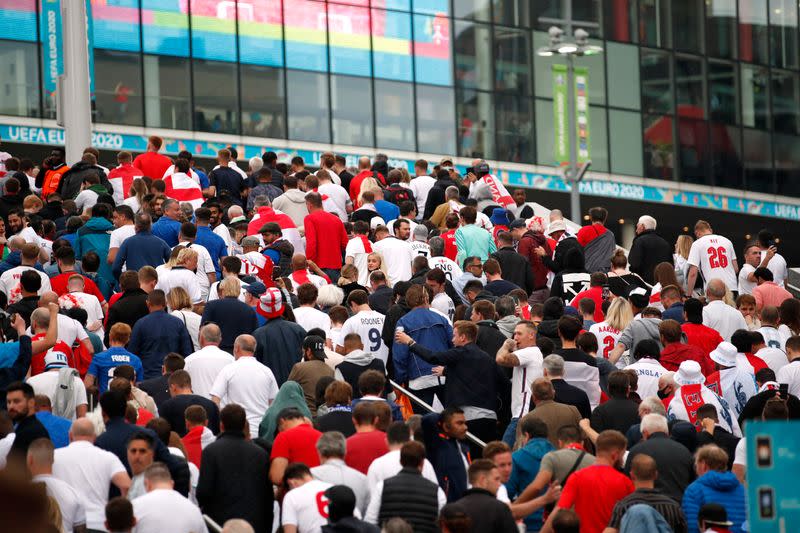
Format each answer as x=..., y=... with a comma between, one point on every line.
x=715, y=257
x=607, y=337
x=368, y=325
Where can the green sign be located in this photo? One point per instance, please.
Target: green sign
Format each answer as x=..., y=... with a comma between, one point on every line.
x=582, y=112
x=560, y=114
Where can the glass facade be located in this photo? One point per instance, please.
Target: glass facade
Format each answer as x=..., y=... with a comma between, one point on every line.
x=698, y=91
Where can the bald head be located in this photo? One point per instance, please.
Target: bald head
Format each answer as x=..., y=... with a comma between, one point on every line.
x=364, y=163
x=715, y=289
x=16, y=243
x=244, y=345
x=299, y=262
x=210, y=335
x=237, y=525
x=82, y=429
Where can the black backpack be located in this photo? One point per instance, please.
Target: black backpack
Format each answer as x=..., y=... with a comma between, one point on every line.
x=397, y=194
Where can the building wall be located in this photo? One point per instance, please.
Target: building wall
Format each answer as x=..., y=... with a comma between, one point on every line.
x=693, y=91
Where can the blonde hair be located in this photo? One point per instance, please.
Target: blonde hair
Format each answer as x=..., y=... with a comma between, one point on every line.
x=32, y=202
x=349, y=274
x=683, y=245
x=383, y=267
x=406, y=177
x=619, y=314
x=178, y=299
x=229, y=287
x=173, y=256
x=369, y=184
x=139, y=190
x=187, y=254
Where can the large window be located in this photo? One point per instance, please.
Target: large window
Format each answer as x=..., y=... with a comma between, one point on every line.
x=216, y=101
x=473, y=55
x=391, y=45
x=165, y=28
x=435, y=120
x=688, y=23
x=721, y=28
x=118, y=88
x=351, y=111
x=623, y=81
x=263, y=112
x=115, y=26
x=723, y=104
x=472, y=9
x=395, y=127
x=625, y=142
x=475, y=113
x=514, y=128
x=785, y=96
x=755, y=96
x=620, y=19
x=512, y=61
x=349, y=39
x=307, y=103
x=753, y=31
x=757, y=147
x=306, y=33
x=783, y=33
x=167, y=92
x=656, y=73
x=19, y=79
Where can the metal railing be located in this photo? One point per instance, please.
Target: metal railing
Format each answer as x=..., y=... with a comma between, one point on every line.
x=419, y=401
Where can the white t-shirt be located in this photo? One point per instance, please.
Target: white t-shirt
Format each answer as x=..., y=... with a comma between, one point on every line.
x=714, y=256
x=411, y=224
x=168, y=278
x=444, y=304
x=205, y=266
x=421, y=186
x=355, y=249
x=777, y=265
x=223, y=231
x=133, y=203
x=88, y=470
x=774, y=357
x=250, y=384
x=9, y=283
x=445, y=264
x=119, y=235
x=46, y=383
x=421, y=248
x=607, y=337
x=69, y=501
x=790, y=374
x=86, y=199
x=204, y=366
x=388, y=465
x=69, y=330
x=722, y=317
x=773, y=337
x=648, y=370
x=529, y=369
x=740, y=455
x=745, y=286
x=317, y=281
x=167, y=510
x=368, y=325
x=310, y=318
x=192, y=321
x=306, y=507
x=87, y=302
x=398, y=256
x=338, y=197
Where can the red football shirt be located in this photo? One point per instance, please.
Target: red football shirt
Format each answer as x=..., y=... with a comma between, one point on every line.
x=152, y=164
x=59, y=285
x=593, y=491
x=593, y=293
x=37, y=361
x=363, y=448
x=703, y=337
x=450, y=250
x=298, y=445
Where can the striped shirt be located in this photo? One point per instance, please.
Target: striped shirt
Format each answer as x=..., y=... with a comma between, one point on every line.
x=666, y=506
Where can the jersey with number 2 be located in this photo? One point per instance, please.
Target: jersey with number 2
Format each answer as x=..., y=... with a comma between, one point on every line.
x=714, y=256
x=368, y=325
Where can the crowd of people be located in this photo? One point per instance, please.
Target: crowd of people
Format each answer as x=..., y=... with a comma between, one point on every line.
x=369, y=349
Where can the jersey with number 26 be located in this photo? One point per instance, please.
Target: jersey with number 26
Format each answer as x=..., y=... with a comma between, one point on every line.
x=368, y=325
x=714, y=256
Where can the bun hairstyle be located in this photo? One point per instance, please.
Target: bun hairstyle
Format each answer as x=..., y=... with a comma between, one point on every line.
x=619, y=260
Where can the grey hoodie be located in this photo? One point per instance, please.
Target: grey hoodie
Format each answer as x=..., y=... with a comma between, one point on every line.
x=293, y=204
x=507, y=325
x=357, y=357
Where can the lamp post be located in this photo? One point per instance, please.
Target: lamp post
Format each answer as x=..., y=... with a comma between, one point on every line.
x=74, y=111
x=573, y=173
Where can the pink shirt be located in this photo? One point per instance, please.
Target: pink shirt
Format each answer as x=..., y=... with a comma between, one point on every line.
x=769, y=294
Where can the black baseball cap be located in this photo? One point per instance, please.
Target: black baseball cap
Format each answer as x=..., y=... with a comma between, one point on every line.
x=316, y=344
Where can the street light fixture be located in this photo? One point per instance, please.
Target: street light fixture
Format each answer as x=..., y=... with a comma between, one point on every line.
x=574, y=172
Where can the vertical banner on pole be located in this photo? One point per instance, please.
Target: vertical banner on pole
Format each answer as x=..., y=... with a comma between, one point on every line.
x=560, y=115
x=90, y=41
x=582, y=113
x=52, y=57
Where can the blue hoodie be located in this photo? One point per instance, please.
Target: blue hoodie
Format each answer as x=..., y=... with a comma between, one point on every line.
x=715, y=487
x=526, y=462
x=428, y=328
x=95, y=236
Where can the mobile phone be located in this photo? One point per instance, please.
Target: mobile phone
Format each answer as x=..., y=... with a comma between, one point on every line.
x=766, y=503
x=606, y=292
x=764, y=451
x=783, y=390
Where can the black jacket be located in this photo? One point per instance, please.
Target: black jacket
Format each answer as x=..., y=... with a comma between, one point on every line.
x=436, y=196
x=490, y=338
x=675, y=463
x=395, y=313
x=572, y=395
x=616, y=413
x=467, y=369
x=381, y=299
x=722, y=438
x=72, y=180
x=286, y=252
x=157, y=388
x=52, y=210
x=515, y=268
x=648, y=249
x=341, y=421
x=129, y=308
x=447, y=457
x=9, y=202
x=755, y=406
x=411, y=497
x=487, y=512
x=28, y=430
x=350, y=525
x=234, y=482
x=558, y=263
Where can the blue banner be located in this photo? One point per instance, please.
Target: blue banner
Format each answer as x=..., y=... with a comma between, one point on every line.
x=52, y=56
x=90, y=43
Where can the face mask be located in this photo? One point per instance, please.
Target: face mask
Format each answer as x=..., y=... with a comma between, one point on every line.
x=663, y=394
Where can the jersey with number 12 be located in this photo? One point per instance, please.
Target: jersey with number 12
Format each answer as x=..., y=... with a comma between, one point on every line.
x=369, y=326
x=715, y=257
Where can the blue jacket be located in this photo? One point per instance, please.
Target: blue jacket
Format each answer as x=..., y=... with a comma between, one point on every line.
x=233, y=317
x=526, y=462
x=715, y=487
x=215, y=245
x=447, y=457
x=156, y=335
x=57, y=428
x=95, y=236
x=279, y=345
x=167, y=229
x=431, y=330
x=387, y=210
x=140, y=250
x=674, y=312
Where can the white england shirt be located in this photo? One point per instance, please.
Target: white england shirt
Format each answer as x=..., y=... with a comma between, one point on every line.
x=714, y=256
x=445, y=264
x=306, y=507
x=368, y=325
x=529, y=369
x=607, y=337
